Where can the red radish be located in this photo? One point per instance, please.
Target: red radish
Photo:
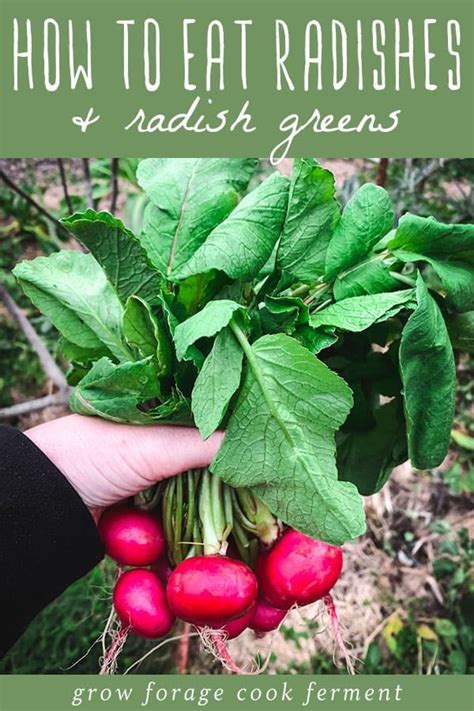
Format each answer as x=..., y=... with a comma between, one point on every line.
x=266, y=617
x=236, y=627
x=211, y=590
x=140, y=602
x=131, y=536
x=298, y=570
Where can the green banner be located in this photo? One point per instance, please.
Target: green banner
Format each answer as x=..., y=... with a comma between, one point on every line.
x=201, y=78
x=178, y=693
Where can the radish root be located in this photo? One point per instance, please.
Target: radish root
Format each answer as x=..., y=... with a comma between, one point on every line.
x=215, y=643
x=117, y=634
x=341, y=648
x=156, y=648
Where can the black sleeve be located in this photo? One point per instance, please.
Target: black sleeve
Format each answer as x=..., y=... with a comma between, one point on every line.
x=48, y=538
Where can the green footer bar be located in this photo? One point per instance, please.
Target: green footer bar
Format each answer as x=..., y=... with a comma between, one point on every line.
x=246, y=693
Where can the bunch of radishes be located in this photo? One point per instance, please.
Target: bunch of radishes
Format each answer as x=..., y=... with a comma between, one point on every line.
x=218, y=590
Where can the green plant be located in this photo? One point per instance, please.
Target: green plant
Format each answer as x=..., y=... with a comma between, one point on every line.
x=20, y=371
x=261, y=316
x=460, y=475
x=442, y=188
x=101, y=172
x=443, y=642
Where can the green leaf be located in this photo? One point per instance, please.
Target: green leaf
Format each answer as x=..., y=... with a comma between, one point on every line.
x=367, y=458
x=195, y=291
x=441, y=527
x=167, y=301
x=313, y=212
x=114, y=392
x=72, y=290
x=377, y=372
x=457, y=661
x=280, y=439
x=463, y=440
x=461, y=331
x=206, y=323
x=371, y=277
x=316, y=340
x=429, y=381
x=174, y=409
x=169, y=307
x=448, y=248
x=77, y=354
x=444, y=567
x=189, y=198
x=445, y=628
x=458, y=480
x=242, y=244
x=217, y=382
x=283, y=314
x=118, y=252
x=143, y=331
x=367, y=217
x=359, y=312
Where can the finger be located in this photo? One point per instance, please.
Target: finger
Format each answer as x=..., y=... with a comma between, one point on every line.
x=165, y=450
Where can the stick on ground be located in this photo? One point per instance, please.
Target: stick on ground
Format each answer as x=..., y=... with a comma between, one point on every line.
x=58, y=399
x=48, y=364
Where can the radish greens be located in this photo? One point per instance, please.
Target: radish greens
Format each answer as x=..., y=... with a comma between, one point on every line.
x=320, y=339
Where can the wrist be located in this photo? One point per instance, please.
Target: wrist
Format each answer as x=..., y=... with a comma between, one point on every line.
x=41, y=437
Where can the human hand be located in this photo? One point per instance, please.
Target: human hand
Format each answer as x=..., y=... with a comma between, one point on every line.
x=107, y=462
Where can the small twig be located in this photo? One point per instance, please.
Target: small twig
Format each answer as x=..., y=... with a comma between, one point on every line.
x=25, y=408
x=115, y=187
x=427, y=172
x=67, y=197
x=19, y=191
x=47, y=361
x=49, y=365
x=87, y=175
x=433, y=585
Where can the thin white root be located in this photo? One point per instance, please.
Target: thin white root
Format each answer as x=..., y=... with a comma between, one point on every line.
x=106, y=631
x=81, y=658
x=117, y=634
x=102, y=638
x=214, y=642
x=156, y=648
x=341, y=649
